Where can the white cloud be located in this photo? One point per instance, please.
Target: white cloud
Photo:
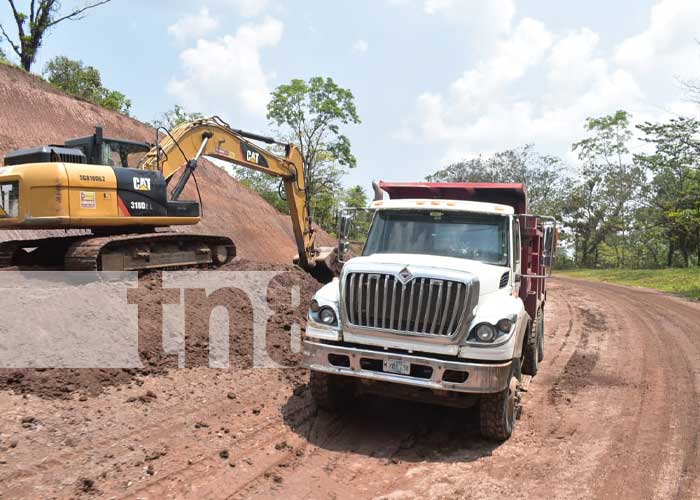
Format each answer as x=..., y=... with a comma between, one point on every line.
x=248, y=8
x=538, y=86
x=360, y=46
x=227, y=71
x=484, y=19
x=494, y=16
x=673, y=26
x=194, y=25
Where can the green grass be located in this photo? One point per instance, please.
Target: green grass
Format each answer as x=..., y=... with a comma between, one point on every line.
x=685, y=282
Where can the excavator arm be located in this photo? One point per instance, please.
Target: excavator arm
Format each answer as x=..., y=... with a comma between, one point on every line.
x=213, y=137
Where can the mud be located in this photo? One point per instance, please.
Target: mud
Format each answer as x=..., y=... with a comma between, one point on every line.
x=612, y=414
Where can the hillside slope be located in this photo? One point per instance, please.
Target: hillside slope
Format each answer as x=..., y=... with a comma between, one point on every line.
x=33, y=113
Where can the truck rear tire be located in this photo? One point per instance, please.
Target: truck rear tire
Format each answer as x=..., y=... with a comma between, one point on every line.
x=540, y=335
x=331, y=392
x=530, y=353
x=497, y=412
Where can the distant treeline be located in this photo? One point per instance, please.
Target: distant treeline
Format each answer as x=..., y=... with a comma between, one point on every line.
x=633, y=201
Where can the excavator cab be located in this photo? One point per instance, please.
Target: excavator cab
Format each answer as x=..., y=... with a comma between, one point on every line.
x=100, y=150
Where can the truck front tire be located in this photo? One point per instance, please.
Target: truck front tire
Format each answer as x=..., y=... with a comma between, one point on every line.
x=531, y=352
x=331, y=392
x=497, y=412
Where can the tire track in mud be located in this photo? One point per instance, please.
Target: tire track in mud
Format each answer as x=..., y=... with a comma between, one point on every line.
x=650, y=447
x=681, y=448
x=256, y=454
x=616, y=472
x=689, y=484
x=575, y=390
x=174, y=428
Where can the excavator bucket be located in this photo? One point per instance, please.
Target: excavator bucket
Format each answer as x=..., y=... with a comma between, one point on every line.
x=325, y=265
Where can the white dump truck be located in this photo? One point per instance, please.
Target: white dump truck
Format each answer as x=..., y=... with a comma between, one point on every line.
x=445, y=304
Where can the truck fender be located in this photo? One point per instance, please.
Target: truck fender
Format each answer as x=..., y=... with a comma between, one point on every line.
x=521, y=335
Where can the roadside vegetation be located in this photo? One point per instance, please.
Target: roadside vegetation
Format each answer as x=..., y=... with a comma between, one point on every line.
x=84, y=82
x=680, y=281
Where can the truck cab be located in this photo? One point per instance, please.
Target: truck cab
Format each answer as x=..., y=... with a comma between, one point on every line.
x=444, y=304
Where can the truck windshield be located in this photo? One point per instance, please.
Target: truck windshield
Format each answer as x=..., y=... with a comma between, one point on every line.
x=481, y=237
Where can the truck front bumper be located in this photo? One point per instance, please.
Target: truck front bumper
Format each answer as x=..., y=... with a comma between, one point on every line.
x=426, y=372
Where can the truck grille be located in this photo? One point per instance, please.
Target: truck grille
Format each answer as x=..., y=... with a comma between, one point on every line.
x=421, y=306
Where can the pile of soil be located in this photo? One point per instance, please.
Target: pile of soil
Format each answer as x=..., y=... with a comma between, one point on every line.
x=62, y=383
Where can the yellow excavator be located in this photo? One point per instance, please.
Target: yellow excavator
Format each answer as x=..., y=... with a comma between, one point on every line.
x=88, y=184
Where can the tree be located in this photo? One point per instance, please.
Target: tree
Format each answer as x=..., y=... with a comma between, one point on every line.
x=174, y=117
x=43, y=15
x=85, y=82
x=313, y=112
x=545, y=177
x=673, y=199
x=3, y=57
x=601, y=205
x=355, y=197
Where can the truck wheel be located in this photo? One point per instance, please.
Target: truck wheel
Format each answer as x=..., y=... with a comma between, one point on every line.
x=540, y=335
x=497, y=412
x=530, y=354
x=331, y=392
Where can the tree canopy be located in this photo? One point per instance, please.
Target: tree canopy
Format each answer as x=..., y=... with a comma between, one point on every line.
x=85, y=82
x=312, y=113
x=174, y=117
x=545, y=177
x=672, y=200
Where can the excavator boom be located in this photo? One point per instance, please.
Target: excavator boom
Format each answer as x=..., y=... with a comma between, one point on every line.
x=214, y=138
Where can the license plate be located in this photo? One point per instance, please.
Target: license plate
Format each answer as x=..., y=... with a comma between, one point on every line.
x=399, y=366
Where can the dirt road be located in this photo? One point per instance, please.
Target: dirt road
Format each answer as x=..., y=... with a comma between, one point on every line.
x=614, y=413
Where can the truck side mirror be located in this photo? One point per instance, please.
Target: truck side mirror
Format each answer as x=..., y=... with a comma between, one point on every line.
x=549, y=249
x=345, y=219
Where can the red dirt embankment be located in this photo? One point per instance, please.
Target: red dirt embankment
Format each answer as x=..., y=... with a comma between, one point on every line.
x=33, y=113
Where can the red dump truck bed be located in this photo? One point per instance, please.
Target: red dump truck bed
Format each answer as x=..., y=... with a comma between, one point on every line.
x=533, y=265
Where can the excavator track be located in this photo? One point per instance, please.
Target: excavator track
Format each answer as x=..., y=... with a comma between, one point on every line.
x=44, y=252
x=134, y=252
x=124, y=252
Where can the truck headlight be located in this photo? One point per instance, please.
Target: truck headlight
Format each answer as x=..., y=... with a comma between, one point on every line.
x=485, y=333
x=504, y=325
x=327, y=316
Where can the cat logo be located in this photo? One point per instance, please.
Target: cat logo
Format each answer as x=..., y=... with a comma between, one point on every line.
x=252, y=156
x=142, y=184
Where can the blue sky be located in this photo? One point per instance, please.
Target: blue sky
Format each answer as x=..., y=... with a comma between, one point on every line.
x=434, y=80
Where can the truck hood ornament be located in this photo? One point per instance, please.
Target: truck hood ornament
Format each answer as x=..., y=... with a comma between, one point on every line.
x=405, y=276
